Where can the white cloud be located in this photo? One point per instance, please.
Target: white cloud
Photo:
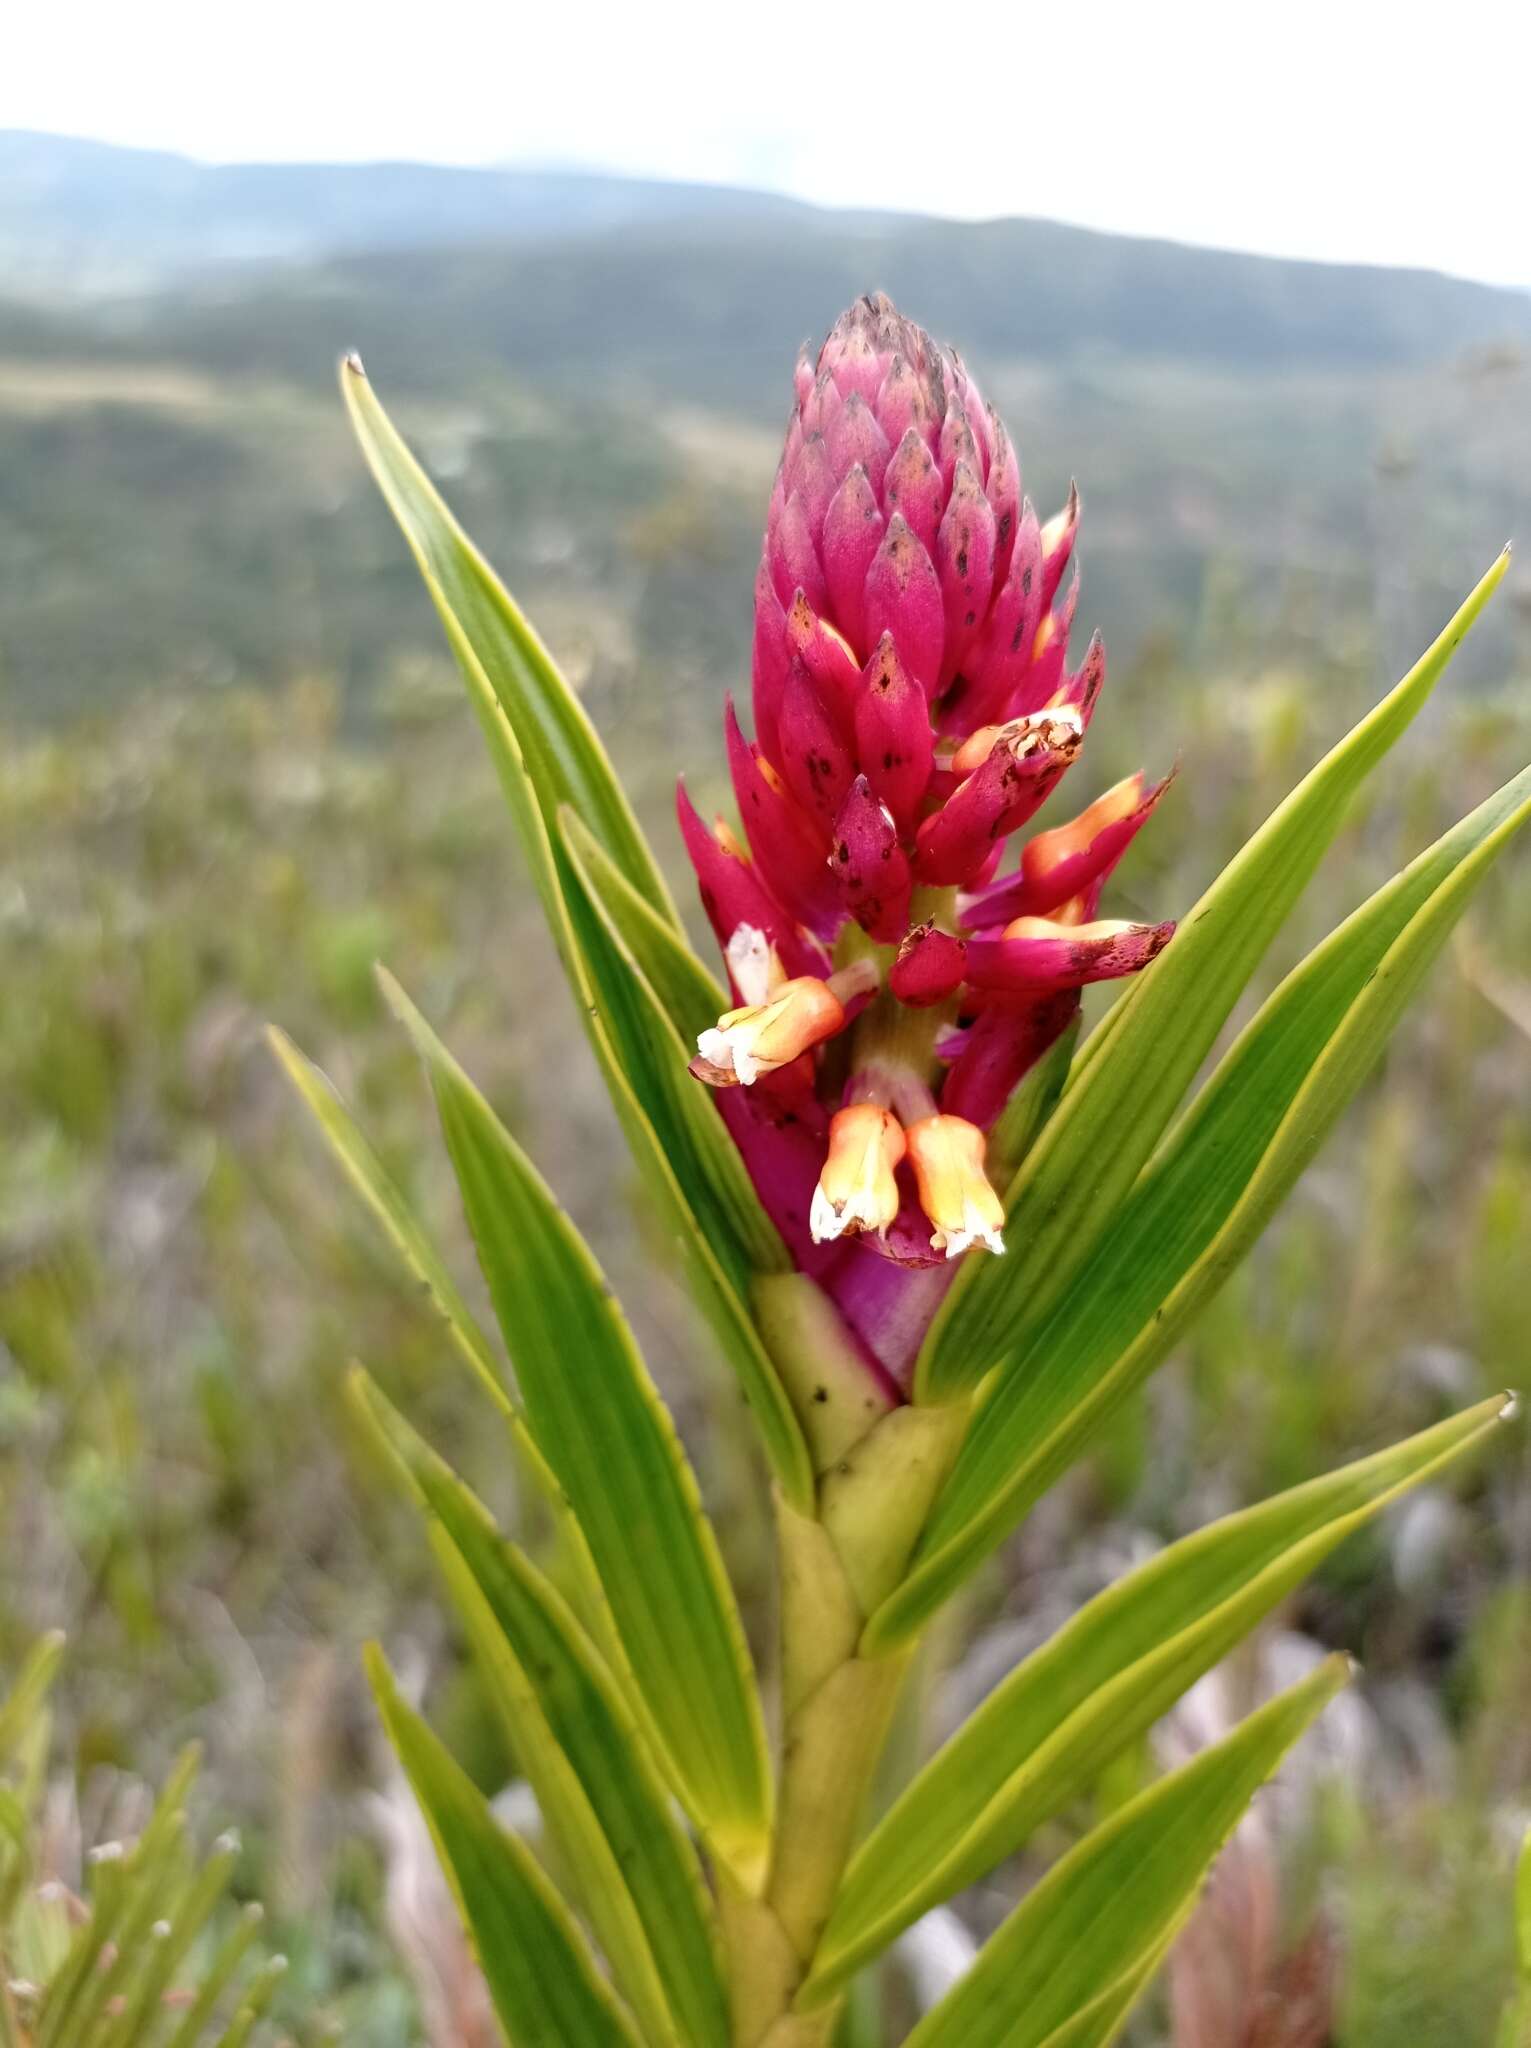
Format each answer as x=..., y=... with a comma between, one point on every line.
x=1343, y=130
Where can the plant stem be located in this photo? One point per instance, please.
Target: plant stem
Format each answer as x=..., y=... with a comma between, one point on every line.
x=836, y=1708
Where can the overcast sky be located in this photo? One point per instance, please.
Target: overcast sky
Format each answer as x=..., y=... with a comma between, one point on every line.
x=1389, y=134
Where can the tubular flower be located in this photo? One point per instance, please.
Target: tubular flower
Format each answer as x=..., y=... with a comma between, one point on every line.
x=946, y=1153
x=914, y=708
x=857, y=1189
x=760, y=1037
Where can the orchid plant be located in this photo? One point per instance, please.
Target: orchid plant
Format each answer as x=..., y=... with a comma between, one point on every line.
x=938, y=1240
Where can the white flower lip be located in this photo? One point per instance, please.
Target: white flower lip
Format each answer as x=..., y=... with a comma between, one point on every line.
x=973, y=1231
x=753, y=963
x=729, y=1049
x=825, y=1221
x=828, y=1220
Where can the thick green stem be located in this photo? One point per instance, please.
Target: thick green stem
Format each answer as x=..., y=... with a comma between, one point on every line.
x=830, y=1750
x=836, y=1706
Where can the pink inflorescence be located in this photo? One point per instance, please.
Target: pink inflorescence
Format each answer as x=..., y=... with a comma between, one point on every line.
x=914, y=708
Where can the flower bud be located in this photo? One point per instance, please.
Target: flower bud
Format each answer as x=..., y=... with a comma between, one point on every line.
x=1000, y=1048
x=999, y=658
x=964, y=557
x=1037, y=953
x=823, y=652
x=930, y=967
x=1042, y=683
x=894, y=742
x=853, y=531
x=903, y=597
x=733, y=893
x=1069, y=859
x=1021, y=765
x=1058, y=544
x=769, y=660
x=787, y=844
x=869, y=867
x=816, y=761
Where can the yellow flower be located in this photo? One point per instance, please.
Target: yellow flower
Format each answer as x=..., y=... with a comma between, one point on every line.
x=856, y=1189
x=744, y=1044
x=946, y=1153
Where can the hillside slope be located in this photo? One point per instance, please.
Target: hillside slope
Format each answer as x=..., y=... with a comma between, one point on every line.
x=1277, y=458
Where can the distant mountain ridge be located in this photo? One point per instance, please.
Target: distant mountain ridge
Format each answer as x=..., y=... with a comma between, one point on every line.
x=93, y=217
x=1278, y=458
x=547, y=253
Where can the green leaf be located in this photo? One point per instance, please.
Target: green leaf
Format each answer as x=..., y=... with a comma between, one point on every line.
x=33, y=1683
x=221, y=1971
x=541, y=1975
x=1025, y=1115
x=182, y=1919
x=547, y=756
x=581, y=1751
x=726, y=1240
x=1523, y=1911
x=130, y=1896
x=653, y=1056
x=493, y=640
x=257, y=1998
x=595, y=1413
x=691, y=996
x=368, y=1175
x=1201, y=1204
x=630, y=1046
x=1099, y=2023
x=1103, y=1679
x=1113, y=1903
x=1114, y=1113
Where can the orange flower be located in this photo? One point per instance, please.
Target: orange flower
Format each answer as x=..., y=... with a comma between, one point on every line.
x=856, y=1189
x=946, y=1153
x=744, y=1044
